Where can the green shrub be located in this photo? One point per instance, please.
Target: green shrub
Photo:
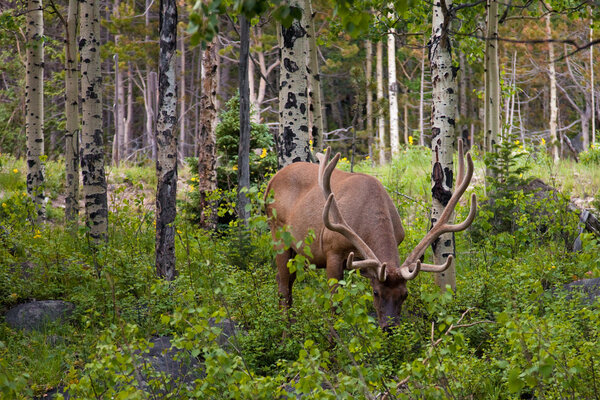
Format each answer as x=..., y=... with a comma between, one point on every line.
x=591, y=156
x=263, y=158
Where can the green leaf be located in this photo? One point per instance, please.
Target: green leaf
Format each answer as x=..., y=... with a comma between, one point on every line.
x=515, y=383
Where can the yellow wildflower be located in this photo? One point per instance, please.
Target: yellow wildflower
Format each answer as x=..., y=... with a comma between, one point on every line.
x=179, y=232
x=191, y=187
x=264, y=153
x=521, y=147
x=410, y=140
x=367, y=157
x=16, y=171
x=543, y=142
x=38, y=234
x=193, y=179
x=3, y=205
x=13, y=295
x=235, y=168
x=344, y=159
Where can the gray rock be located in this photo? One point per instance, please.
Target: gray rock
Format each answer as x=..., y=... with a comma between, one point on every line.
x=37, y=314
x=588, y=288
x=229, y=330
x=174, y=363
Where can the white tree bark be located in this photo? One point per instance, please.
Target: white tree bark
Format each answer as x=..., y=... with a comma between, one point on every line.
x=492, y=79
x=380, y=120
x=207, y=140
x=92, y=146
x=293, y=139
x=553, y=97
x=443, y=117
x=128, y=123
x=166, y=140
x=72, y=116
x=393, y=94
x=314, y=79
x=369, y=100
x=118, y=111
x=34, y=103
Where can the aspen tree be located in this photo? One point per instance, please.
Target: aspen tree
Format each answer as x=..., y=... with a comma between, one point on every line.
x=293, y=138
x=166, y=141
x=393, y=93
x=443, y=117
x=380, y=120
x=72, y=115
x=207, y=141
x=34, y=103
x=92, y=143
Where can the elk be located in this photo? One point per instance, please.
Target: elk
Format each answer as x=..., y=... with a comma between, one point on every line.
x=356, y=226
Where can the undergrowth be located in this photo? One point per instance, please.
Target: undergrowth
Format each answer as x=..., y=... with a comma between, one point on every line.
x=507, y=332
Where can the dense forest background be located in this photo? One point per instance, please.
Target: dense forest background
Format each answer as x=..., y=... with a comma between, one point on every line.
x=136, y=143
x=129, y=54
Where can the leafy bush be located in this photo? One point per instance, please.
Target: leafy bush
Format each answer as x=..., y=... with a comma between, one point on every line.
x=591, y=156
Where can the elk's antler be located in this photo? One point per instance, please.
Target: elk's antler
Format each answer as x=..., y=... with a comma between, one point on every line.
x=412, y=263
x=370, y=260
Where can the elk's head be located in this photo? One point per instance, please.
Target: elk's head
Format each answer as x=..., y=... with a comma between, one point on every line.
x=389, y=281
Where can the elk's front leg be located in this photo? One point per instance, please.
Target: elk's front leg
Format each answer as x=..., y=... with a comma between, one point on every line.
x=285, y=279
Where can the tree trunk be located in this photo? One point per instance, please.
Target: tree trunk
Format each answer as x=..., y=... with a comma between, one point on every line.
x=252, y=95
x=393, y=94
x=592, y=81
x=182, y=103
x=369, y=100
x=406, y=133
x=244, y=145
x=380, y=120
x=118, y=110
x=128, y=123
x=553, y=97
x=492, y=79
x=150, y=96
x=166, y=140
x=92, y=146
x=314, y=79
x=207, y=142
x=421, y=103
x=443, y=117
x=150, y=105
x=34, y=103
x=293, y=139
x=72, y=116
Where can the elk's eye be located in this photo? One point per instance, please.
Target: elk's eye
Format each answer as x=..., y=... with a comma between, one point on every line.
x=375, y=293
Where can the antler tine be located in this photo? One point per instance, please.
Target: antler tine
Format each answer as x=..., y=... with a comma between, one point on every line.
x=461, y=163
x=441, y=225
x=438, y=268
x=326, y=169
x=368, y=264
x=407, y=274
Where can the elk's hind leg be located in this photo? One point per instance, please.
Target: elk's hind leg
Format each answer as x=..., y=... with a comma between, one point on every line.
x=285, y=279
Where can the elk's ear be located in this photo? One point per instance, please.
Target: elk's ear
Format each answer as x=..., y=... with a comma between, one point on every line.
x=377, y=273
